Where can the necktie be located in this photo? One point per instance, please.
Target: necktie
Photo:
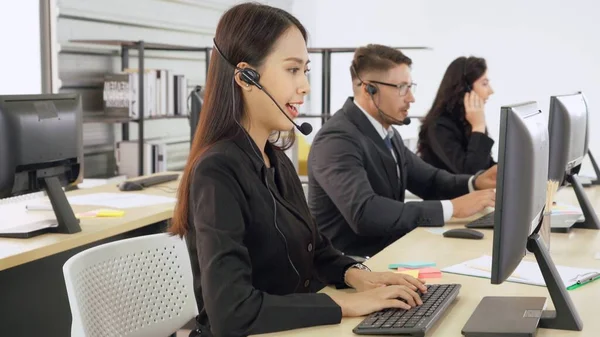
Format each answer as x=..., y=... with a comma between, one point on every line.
x=388, y=142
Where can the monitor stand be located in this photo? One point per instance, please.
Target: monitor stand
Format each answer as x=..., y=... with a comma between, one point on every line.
x=522, y=323
x=67, y=222
x=591, y=219
x=596, y=169
x=565, y=316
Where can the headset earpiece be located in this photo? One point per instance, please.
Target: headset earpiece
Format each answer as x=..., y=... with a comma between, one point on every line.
x=371, y=89
x=250, y=76
x=467, y=85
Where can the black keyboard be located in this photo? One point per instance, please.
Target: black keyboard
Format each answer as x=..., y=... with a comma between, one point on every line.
x=485, y=222
x=414, y=322
x=157, y=179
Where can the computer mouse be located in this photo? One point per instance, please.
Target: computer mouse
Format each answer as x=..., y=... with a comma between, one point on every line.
x=463, y=233
x=130, y=186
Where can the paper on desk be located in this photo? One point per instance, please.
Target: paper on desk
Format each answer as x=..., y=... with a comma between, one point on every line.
x=120, y=200
x=15, y=218
x=438, y=231
x=527, y=272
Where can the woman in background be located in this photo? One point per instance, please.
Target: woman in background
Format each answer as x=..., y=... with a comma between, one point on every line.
x=252, y=241
x=453, y=135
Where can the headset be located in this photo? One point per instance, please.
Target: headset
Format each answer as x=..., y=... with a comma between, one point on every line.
x=467, y=85
x=435, y=145
x=251, y=77
x=372, y=90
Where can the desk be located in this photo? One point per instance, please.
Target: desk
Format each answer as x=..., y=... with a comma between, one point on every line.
x=33, y=298
x=576, y=248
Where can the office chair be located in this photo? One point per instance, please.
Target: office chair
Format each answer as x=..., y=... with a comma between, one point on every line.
x=136, y=287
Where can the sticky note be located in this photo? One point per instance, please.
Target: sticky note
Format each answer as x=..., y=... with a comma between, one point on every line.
x=411, y=265
x=412, y=272
x=112, y=213
x=423, y=272
x=429, y=273
x=101, y=213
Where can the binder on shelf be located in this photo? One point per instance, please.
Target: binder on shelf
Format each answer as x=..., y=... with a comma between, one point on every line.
x=165, y=94
x=160, y=155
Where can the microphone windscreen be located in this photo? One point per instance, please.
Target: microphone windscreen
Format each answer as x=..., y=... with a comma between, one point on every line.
x=406, y=121
x=305, y=128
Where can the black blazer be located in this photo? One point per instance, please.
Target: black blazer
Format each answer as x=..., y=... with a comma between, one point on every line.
x=354, y=191
x=446, y=146
x=239, y=240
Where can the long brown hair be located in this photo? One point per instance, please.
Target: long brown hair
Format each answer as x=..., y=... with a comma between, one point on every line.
x=245, y=33
x=449, y=100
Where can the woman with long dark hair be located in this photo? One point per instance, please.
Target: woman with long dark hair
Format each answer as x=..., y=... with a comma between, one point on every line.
x=453, y=135
x=252, y=241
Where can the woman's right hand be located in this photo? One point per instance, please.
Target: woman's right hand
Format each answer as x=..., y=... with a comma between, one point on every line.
x=474, y=109
x=369, y=301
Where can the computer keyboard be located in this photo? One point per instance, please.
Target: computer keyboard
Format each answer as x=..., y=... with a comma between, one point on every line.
x=413, y=322
x=485, y=222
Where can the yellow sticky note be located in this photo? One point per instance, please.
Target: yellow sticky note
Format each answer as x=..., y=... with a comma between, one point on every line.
x=101, y=213
x=112, y=213
x=412, y=272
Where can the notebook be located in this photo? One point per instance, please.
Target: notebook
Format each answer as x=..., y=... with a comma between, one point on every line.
x=16, y=222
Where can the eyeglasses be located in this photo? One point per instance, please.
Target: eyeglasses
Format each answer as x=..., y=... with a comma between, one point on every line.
x=402, y=88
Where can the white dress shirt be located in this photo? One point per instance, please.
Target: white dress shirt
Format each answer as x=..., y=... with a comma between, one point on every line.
x=447, y=207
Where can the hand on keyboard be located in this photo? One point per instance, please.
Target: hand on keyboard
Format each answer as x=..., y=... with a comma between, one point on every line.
x=369, y=301
x=362, y=280
x=472, y=203
x=415, y=321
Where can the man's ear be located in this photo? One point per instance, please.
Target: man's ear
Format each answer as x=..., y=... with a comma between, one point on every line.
x=358, y=87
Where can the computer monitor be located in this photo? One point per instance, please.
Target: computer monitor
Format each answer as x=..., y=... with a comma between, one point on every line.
x=521, y=184
x=569, y=133
x=520, y=206
x=41, y=150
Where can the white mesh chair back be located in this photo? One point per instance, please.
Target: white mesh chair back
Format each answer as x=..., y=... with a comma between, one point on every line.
x=134, y=287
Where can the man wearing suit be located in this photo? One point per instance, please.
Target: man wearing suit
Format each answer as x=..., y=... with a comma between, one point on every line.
x=359, y=168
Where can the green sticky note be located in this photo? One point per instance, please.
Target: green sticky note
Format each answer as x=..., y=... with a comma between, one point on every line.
x=411, y=265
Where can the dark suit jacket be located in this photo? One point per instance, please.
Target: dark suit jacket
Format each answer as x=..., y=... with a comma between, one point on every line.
x=355, y=194
x=446, y=146
x=239, y=240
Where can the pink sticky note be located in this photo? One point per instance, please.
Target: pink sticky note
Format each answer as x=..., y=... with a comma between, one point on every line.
x=430, y=273
x=425, y=272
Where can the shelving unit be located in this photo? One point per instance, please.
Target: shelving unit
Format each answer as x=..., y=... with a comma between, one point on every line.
x=140, y=46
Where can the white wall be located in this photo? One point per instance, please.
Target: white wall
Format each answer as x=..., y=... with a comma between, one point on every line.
x=20, y=65
x=534, y=49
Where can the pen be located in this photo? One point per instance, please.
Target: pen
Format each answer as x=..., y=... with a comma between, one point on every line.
x=581, y=283
x=38, y=207
x=589, y=278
